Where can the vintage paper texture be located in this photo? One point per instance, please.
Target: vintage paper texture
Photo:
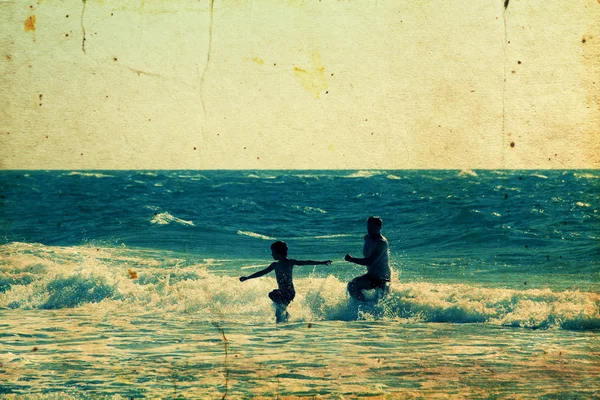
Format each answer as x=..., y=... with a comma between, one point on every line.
x=101, y=84
x=239, y=84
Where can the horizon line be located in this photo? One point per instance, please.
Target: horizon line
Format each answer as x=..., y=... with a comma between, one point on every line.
x=299, y=169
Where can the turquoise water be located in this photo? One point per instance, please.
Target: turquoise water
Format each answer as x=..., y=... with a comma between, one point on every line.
x=124, y=283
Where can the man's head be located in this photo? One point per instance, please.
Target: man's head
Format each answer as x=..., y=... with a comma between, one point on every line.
x=374, y=225
x=279, y=250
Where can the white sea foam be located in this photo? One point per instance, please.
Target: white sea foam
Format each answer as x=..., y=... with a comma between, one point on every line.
x=363, y=174
x=467, y=172
x=89, y=174
x=165, y=218
x=500, y=187
x=255, y=176
x=315, y=209
x=308, y=210
x=255, y=235
x=333, y=236
x=85, y=278
x=393, y=177
x=586, y=176
x=252, y=266
x=308, y=176
x=540, y=176
x=192, y=177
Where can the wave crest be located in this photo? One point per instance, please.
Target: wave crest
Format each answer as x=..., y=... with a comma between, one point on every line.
x=43, y=277
x=165, y=218
x=255, y=235
x=89, y=174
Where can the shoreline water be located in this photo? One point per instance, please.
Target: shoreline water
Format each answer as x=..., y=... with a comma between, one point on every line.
x=63, y=352
x=83, y=278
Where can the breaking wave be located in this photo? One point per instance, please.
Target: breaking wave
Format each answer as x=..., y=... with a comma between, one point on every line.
x=255, y=235
x=165, y=218
x=89, y=174
x=43, y=277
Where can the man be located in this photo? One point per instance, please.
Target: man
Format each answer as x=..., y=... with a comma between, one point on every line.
x=376, y=259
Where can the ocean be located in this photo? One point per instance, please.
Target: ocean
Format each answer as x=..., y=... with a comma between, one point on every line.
x=124, y=284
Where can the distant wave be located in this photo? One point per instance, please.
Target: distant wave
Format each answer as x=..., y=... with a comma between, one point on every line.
x=467, y=172
x=307, y=209
x=586, y=176
x=540, y=176
x=89, y=174
x=255, y=176
x=255, y=235
x=393, y=177
x=500, y=187
x=192, y=177
x=45, y=277
x=314, y=209
x=333, y=236
x=310, y=176
x=229, y=184
x=363, y=174
x=165, y=218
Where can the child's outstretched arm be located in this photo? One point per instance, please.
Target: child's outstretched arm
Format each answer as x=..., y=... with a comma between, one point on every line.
x=310, y=262
x=259, y=273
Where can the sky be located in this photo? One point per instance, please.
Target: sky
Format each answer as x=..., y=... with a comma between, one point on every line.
x=292, y=84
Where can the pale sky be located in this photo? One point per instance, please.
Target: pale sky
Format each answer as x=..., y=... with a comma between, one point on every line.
x=299, y=84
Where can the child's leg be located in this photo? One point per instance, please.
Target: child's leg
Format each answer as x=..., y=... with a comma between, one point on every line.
x=281, y=314
x=281, y=302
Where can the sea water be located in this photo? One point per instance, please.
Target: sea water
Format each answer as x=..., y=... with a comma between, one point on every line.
x=124, y=284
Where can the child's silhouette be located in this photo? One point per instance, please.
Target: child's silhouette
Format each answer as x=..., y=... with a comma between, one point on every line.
x=283, y=273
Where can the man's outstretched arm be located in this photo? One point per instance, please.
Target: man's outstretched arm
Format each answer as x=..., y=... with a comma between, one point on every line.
x=259, y=273
x=374, y=256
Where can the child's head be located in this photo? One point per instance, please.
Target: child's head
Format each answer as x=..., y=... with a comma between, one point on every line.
x=279, y=248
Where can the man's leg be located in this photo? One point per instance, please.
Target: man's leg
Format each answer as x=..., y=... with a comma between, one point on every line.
x=357, y=285
x=382, y=290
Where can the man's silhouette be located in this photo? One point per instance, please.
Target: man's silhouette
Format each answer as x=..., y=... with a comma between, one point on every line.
x=376, y=259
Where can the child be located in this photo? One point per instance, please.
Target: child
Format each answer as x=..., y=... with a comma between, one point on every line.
x=283, y=273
